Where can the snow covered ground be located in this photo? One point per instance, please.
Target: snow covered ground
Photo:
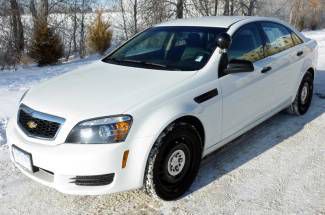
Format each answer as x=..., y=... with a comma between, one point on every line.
x=277, y=168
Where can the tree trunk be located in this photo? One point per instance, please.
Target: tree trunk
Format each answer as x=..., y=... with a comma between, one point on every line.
x=135, y=16
x=226, y=8
x=82, y=51
x=44, y=10
x=17, y=26
x=124, y=20
x=33, y=10
x=39, y=13
x=296, y=14
x=232, y=8
x=179, y=9
x=203, y=7
x=216, y=4
x=74, y=33
x=251, y=7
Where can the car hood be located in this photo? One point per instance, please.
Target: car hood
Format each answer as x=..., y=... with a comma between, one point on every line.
x=100, y=89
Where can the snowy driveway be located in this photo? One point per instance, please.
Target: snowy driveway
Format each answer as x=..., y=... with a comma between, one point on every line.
x=277, y=168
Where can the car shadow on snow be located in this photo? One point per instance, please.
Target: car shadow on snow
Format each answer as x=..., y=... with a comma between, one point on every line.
x=258, y=140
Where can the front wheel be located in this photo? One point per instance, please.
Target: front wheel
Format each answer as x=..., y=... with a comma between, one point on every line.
x=304, y=96
x=173, y=162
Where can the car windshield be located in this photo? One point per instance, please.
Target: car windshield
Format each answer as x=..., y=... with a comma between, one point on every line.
x=168, y=48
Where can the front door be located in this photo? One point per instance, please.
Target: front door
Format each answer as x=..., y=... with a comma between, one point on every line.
x=245, y=96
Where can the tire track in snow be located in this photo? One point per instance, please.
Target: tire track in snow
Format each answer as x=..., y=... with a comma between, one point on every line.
x=3, y=125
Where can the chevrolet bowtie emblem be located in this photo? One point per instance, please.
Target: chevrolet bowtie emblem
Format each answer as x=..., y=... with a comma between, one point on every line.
x=31, y=124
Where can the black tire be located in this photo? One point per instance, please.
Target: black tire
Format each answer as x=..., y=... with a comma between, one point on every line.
x=300, y=106
x=163, y=180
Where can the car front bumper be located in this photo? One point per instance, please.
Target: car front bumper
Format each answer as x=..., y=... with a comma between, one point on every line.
x=59, y=165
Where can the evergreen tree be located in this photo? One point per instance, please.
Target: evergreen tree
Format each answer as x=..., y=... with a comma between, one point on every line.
x=46, y=47
x=99, y=34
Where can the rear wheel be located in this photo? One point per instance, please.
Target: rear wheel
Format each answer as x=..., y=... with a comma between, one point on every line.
x=304, y=96
x=173, y=162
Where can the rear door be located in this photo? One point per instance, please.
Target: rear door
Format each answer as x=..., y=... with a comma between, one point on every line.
x=284, y=59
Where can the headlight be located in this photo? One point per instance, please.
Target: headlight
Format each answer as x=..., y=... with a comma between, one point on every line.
x=102, y=130
x=23, y=96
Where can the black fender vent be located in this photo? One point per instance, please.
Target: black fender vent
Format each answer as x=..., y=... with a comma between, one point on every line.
x=206, y=96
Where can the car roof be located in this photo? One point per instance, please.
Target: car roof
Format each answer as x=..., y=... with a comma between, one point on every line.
x=208, y=21
x=226, y=22
x=214, y=21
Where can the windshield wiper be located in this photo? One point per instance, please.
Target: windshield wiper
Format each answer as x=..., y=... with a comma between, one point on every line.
x=144, y=63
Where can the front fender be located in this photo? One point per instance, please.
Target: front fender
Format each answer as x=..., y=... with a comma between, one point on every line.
x=152, y=117
x=150, y=126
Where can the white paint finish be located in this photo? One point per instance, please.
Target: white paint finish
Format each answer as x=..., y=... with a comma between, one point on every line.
x=101, y=89
x=245, y=98
x=155, y=99
x=210, y=21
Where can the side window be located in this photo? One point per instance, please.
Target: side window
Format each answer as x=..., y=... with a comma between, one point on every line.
x=246, y=44
x=278, y=38
x=296, y=39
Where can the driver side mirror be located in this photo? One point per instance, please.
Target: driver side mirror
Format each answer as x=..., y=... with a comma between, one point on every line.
x=223, y=41
x=237, y=66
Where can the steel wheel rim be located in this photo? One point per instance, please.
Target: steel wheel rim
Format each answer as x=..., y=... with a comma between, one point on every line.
x=176, y=162
x=304, y=93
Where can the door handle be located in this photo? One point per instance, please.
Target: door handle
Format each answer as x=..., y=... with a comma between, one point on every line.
x=300, y=53
x=266, y=69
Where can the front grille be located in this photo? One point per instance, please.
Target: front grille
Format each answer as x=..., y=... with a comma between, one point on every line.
x=37, y=124
x=93, y=180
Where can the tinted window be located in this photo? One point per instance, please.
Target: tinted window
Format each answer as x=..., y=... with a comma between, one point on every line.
x=169, y=48
x=278, y=38
x=246, y=44
x=296, y=39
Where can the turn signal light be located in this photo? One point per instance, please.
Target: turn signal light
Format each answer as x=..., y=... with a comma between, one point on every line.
x=125, y=158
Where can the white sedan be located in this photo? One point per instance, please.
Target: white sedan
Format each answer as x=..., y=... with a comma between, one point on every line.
x=146, y=114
